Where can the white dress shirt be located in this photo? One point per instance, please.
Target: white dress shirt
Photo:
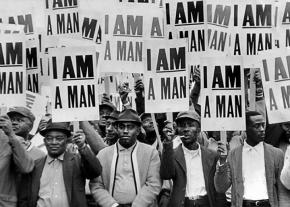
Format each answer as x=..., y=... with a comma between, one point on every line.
x=195, y=185
x=254, y=175
x=52, y=191
x=285, y=174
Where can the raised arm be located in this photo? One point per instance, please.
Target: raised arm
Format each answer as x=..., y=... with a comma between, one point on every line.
x=93, y=138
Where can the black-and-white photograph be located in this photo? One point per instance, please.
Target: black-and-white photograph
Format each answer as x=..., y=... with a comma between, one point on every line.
x=145, y=103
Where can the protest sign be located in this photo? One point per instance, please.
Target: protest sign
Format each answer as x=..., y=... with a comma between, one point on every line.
x=275, y=70
x=186, y=19
x=157, y=3
x=254, y=27
x=12, y=70
x=166, y=79
x=219, y=25
x=21, y=13
x=37, y=105
x=62, y=18
x=283, y=22
x=74, y=84
x=32, y=66
x=91, y=24
x=116, y=100
x=11, y=29
x=222, y=94
x=125, y=29
x=48, y=43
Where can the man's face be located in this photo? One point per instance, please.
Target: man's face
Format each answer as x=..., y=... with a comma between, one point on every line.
x=128, y=132
x=256, y=129
x=147, y=124
x=189, y=130
x=55, y=142
x=286, y=128
x=104, y=111
x=21, y=125
x=111, y=131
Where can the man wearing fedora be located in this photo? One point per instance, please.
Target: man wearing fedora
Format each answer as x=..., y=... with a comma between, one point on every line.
x=58, y=180
x=190, y=166
x=130, y=175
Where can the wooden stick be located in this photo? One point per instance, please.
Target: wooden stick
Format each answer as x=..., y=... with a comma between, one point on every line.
x=3, y=110
x=169, y=116
x=157, y=133
x=252, y=106
x=76, y=126
x=224, y=140
x=107, y=85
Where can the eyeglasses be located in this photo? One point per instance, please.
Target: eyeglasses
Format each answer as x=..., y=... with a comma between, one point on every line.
x=58, y=139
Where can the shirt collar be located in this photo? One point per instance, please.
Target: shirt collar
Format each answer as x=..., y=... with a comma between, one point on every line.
x=155, y=144
x=193, y=153
x=259, y=147
x=121, y=148
x=50, y=159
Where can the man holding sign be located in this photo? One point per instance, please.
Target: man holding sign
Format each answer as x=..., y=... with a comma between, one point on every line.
x=130, y=174
x=190, y=166
x=59, y=178
x=13, y=159
x=253, y=169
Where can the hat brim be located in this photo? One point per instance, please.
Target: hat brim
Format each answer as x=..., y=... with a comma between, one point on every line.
x=45, y=131
x=107, y=105
x=186, y=117
x=128, y=120
x=110, y=117
x=10, y=113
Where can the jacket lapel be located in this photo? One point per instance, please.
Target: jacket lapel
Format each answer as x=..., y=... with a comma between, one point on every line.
x=68, y=173
x=179, y=156
x=238, y=168
x=36, y=176
x=207, y=162
x=268, y=168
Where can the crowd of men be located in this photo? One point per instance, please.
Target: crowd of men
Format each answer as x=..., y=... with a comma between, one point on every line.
x=122, y=160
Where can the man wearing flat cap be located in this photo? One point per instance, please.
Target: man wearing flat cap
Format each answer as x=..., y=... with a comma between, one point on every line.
x=58, y=180
x=22, y=123
x=111, y=131
x=106, y=107
x=130, y=175
x=190, y=166
x=13, y=160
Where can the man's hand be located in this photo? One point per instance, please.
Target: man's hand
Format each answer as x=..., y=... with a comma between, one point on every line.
x=168, y=133
x=222, y=151
x=139, y=87
x=124, y=91
x=79, y=139
x=6, y=125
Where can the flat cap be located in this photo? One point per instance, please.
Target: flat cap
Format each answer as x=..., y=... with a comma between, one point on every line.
x=22, y=111
x=113, y=115
x=129, y=115
x=188, y=114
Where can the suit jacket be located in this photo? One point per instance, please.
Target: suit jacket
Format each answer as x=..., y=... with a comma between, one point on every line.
x=173, y=166
x=13, y=159
x=231, y=174
x=148, y=170
x=76, y=169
